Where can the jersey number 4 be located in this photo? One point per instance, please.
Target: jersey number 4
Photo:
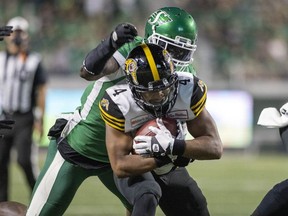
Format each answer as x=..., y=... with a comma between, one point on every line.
x=119, y=91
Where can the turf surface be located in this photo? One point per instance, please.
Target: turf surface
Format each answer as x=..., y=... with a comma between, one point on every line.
x=233, y=186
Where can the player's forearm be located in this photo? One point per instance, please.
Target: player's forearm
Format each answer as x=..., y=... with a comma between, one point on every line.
x=96, y=59
x=133, y=165
x=111, y=66
x=203, y=148
x=41, y=102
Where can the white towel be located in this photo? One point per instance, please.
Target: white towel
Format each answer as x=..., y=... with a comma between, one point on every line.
x=270, y=117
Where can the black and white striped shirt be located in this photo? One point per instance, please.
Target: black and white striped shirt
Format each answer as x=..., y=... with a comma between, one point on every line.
x=19, y=77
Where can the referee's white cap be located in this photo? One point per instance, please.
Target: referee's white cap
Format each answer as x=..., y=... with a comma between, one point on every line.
x=18, y=23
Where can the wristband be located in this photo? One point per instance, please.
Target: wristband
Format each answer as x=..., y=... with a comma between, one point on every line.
x=178, y=147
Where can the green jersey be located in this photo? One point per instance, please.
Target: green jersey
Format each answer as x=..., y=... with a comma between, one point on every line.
x=85, y=130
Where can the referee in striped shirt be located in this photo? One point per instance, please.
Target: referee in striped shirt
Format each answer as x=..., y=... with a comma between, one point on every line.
x=22, y=99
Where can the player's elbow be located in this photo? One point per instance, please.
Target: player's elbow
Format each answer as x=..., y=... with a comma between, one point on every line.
x=120, y=171
x=218, y=150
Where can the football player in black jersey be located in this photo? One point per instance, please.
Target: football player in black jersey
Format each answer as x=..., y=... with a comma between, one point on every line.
x=153, y=90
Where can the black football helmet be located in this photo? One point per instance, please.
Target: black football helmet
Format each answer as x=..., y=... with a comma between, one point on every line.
x=150, y=73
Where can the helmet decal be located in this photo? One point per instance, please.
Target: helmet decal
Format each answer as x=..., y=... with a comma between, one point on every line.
x=175, y=30
x=131, y=68
x=159, y=18
x=151, y=62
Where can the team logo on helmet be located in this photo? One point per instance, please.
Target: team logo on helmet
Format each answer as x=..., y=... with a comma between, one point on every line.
x=131, y=68
x=168, y=58
x=159, y=18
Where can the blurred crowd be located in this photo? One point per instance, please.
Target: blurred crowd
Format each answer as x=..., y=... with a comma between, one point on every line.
x=237, y=39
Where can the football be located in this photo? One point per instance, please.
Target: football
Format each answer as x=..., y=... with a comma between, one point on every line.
x=170, y=124
x=12, y=209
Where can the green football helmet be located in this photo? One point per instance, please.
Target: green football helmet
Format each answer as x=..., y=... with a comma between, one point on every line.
x=175, y=30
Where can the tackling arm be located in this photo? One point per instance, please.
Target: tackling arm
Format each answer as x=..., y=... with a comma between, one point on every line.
x=98, y=62
x=110, y=67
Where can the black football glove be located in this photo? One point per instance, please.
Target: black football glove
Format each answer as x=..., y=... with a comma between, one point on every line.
x=5, y=31
x=122, y=34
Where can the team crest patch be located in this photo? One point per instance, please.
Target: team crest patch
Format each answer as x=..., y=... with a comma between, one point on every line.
x=159, y=18
x=130, y=68
x=105, y=104
x=201, y=85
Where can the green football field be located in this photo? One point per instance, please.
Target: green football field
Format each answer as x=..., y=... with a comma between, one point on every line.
x=233, y=186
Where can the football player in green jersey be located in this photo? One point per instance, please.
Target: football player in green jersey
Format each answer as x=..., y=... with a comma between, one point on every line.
x=81, y=147
x=77, y=148
x=153, y=90
x=170, y=27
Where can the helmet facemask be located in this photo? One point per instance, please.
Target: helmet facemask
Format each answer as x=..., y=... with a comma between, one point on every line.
x=159, y=97
x=181, y=49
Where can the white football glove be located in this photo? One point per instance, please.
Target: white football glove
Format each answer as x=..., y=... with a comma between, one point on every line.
x=157, y=145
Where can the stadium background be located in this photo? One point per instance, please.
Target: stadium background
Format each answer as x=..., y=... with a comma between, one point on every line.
x=242, y=56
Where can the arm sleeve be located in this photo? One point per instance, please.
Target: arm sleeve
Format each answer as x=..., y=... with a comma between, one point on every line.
x=96, y=59
x=121, y=54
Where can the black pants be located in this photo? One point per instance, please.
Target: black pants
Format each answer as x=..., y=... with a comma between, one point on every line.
x=181, y=194
x=275, y=202
x=141, y=191
x=20, y=138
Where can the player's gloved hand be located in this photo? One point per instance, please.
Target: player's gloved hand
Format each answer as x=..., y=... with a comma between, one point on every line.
x=156, y=145
x=5, y=31
x=122, y=34
x=160, y=144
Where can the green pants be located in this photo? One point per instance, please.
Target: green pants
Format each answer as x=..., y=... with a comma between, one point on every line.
x=58, y=182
